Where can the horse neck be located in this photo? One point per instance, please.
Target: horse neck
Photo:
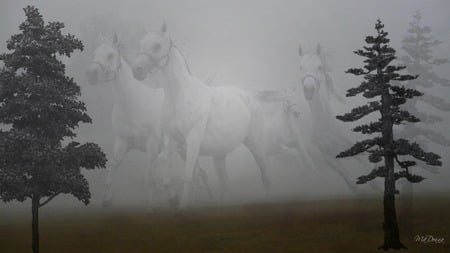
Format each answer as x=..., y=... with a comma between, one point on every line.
x=320, y=111
x=125, y=86
x=177, y=77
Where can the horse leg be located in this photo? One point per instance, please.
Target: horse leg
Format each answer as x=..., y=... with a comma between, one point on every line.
x=164, y=165
x=253, y=143
x=303, y=153
x=221, y=168
x=120, y=148
x=193, y=142
x=150, y=173
x=203, y=176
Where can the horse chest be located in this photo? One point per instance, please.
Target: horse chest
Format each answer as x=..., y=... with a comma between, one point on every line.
x=181, y=117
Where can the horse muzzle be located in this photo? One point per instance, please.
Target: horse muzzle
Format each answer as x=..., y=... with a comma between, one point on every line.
x=309, y=88
x=141, y=67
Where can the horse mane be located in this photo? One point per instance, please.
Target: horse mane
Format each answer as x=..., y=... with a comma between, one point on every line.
x=209, y=81
x=328, y=80
x=182, y=56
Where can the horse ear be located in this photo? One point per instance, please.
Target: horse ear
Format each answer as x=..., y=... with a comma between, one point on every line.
x=319, y=49
x=300, y=50
x=164, y=28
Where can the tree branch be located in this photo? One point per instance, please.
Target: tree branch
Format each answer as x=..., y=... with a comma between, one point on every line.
x=377, y=172
x=49, y=199
x=359, y=112
x=360, y=147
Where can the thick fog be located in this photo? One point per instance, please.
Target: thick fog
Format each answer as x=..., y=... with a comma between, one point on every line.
x=252, y=45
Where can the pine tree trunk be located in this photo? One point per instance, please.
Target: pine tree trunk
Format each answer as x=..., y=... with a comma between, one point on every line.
x=35, y=223
x=390, y=226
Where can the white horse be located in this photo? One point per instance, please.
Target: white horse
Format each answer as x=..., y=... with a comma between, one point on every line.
x=207, y=121
x=135, y=115
x=326, y=137
x=136, y=118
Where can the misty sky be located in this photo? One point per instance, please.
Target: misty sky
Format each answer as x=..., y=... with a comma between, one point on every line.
x=251, y=44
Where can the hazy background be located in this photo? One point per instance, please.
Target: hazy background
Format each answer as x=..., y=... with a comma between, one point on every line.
x=253, y=45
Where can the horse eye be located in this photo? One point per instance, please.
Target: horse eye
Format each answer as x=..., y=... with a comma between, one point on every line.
x=110, y=56
x=156, y=47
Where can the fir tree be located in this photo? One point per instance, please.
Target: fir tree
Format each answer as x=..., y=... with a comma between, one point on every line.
x=386, y=98
x=418, y=58
x=418, y=46
x=40, y=108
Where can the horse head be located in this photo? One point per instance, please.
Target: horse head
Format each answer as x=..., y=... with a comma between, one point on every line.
x=154, y=51
x=312, y=72
x=315, y=73
x=106, y=62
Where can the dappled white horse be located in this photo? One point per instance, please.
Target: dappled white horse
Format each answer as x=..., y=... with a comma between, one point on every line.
x=207, y=121
x=326, y=137
x=135, y=115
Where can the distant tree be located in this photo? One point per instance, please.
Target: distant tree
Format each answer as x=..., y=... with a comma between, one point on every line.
x=386, y=98
x=40, y=108
x=418, y=46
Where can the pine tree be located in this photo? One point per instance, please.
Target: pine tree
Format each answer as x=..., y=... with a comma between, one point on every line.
x=40, y=109
x=418, y=58
x=418, y=46
x=386, y=98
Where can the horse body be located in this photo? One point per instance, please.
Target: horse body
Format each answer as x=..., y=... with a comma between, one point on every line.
x=224, y=109
x=208, y=121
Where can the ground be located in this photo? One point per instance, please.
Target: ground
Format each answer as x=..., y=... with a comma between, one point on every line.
x=345, y=225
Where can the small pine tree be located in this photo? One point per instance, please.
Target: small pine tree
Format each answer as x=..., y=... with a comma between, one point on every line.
x=40, y=107
x=379, y=76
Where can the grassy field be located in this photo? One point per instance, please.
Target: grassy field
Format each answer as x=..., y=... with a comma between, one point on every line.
x=301, y=226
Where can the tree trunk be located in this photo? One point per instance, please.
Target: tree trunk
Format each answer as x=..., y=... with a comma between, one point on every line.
x=35, y=223
x=390, y=226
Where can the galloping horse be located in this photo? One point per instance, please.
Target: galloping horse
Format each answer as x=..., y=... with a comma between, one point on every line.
x=206, y=121
x=135, y=115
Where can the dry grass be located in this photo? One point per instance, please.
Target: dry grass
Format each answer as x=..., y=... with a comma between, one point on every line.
x=304, y=226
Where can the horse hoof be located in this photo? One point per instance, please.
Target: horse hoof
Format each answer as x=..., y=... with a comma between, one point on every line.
x=107, y=203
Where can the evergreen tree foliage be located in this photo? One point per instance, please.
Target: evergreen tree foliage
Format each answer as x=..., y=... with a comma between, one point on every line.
x=418, y=46
x=382, y=85
x=40, y=109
